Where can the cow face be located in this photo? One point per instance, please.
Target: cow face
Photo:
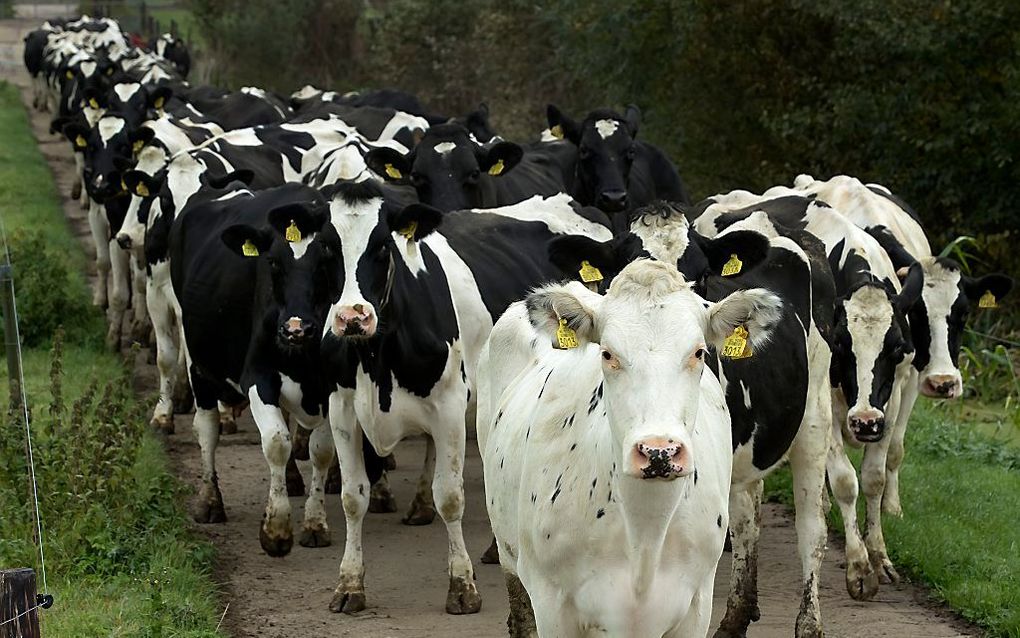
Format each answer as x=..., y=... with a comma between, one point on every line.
x=870, y=341
x=448, y=170
x=108, y=151
x=652, y=333
x=132, y=100
x=605, y=153
x=149, y=173
x=296, y=264
x=378, y=242
x=938, y=319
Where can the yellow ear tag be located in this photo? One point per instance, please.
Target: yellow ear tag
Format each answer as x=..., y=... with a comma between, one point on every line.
x=732, y=267
x=109, y=71
x=987, y=300
x=248, y=249
x=557, y=132
x=566, y=338
x=409, y=230
x=293, y=233
x=68, y=75
x=141, y=190
x=497, y=168
x=393, y=172
x=94, y=103
x=158, y=102
x=80, y=142
x=137, y=146
x=123, y=186
x=589, y=273
x=736, y=345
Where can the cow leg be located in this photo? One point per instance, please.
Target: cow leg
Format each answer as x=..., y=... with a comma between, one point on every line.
x=891, y=496
x=78, y=192
x=491, y=555
x=745, y=526
x=349, y=595
x=167, y=357
x=183, y=398
x=861, y=581
x=209, y=507
x=120, y=293
x=315, y=531
x=381, y=500
x=520, y=622
x=448, y=492
x=873, y=485
x=333, y=484
x=228, y=424
x=140, y=324
x=807, y=462
x=100, y=228
x=275, y=533
x=700, y=613
x=423, y=509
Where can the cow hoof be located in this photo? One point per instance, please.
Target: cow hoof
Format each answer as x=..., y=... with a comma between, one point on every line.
x=808, y=626
x=347, y=602
x=275, y=546
x=887, y=574
x=891, y=506
x=380, y=499
x=209, y=511
x=420, y=512
x=76, y=189
x=227, y=424
x=315, y=536
x=183, y=400
x=140, y=334
x=391, y=462
x=861, y=581
x=463, y=597
x=333, y=484
x=491, y=555
x=163, y=423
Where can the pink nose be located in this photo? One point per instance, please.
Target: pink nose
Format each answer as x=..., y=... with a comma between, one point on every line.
x=356, y=320
x=941, y=386
x=659, y=457
x=867, y=425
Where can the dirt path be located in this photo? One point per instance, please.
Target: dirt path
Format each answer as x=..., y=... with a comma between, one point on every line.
x=406, y=566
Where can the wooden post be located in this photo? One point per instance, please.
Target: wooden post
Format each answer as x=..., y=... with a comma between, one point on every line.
x=11, y=337
x=17, y=596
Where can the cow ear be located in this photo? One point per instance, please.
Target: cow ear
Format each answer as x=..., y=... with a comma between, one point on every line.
x=568, y=252
x=756, y=310
x=94, y=98
x=139, y=138
x=562, y=126
x=141, y=184
x=247, y=241
x=243, y=175
x=389, y=164
x=632, y=117
x=565, y=314
x=415, y=221
x=911, y=290
x=297, y=220
x=996, y=283
x=746, y=246
x=159, y=96
x=501, y=158
x=77, y=134
x=122, y=164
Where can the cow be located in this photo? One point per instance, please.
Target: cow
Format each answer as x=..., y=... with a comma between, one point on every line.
x=173, y=50
x=609, y=167
x=625, y=434
x=415, y=297
x=450, y=171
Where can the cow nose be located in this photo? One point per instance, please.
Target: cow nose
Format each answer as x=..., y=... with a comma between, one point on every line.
x=659, y=457
x=357, y=320
x=868, y=425
x=123, y=241
x=612, y=201
x=941, y=386
x=296, y=329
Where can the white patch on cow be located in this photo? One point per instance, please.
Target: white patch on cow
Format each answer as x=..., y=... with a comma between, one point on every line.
x=547, y=136
x=556, y=213
x=444, y=147
x=87, y=68
x=306, y=92
x=869, y=316
x=108, y=127
x=402, y=121
x=299, y=248
x=665, y=239
x=940, y=292
x=125, y=90
x=747, y=395
x=606, y=128
x=354, y=224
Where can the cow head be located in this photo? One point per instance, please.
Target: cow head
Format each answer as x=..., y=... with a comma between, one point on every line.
x=133, y=101
x=108, y=152
x=870, y=339
x=379, y=241
x=606, y=150
x=652, y=333
x=144, y=183
x=938, y=319
x=447, y=169
x=296, y=265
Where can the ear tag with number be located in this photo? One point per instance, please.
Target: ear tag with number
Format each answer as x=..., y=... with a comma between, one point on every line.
x=987, y=300
x=80, y=142
x=557, y=132
x=137, y=146
x=566, y=338
x=732, y=267
x=248, y=249
x=93, y=103
x=736, y=345
x=589, y=274
x=497, y=168
x=141, y=190
x=409, y=230
x=393, y=172
x=293, y=233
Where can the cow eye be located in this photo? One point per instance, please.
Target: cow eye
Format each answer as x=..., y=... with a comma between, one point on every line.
x=699, y=353
x=610, y=360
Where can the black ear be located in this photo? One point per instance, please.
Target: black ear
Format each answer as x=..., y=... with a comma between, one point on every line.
x=477, y=123
x=996, y=283
x=243, y=175
x=568, y=251
x=306, y=217
x=389, y=164
x=415, y=221
x=246, y=240
x=95, y=98
x=632, y=116
x=500, y=158
x=913, y=283
x=77, y=134
x=122, y=164
x=159, y=96
x=749, y=247
x=568, y=128
x=140, y=137
x=141, y=184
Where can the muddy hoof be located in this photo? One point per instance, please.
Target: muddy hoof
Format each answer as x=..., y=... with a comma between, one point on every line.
x=317, y=536
x=76, y=189
x=347, y=602
x=491, y=555
x=163, y=423
x=275, y=547
x=227, y=424
x=887, y=574
x=861, y=581
x=333, y=484
x=207, y=511
x=808, y=626
x=891, y=506
x=391, y=462
x=383, y=503
x=463, y=597
x=420, y=513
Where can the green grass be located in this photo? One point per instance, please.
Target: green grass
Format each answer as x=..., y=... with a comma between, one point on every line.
x=121, y=559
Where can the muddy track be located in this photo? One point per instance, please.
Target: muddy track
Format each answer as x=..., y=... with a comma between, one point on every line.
x=406, y=566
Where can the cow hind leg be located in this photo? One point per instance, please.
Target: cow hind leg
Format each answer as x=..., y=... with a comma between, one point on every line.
x=228, y=424
x=807, y=461
x=894, y=459
x=315, y=530
x=491, y=555
x=745, y=527
x=167, y=360
x=100, y=228
x=349, y=596
x=861, y=581
x=520, y=622
x=208, y=507
x=275, y=534
x=333, y=484
x=423, y=508
x=381, y=499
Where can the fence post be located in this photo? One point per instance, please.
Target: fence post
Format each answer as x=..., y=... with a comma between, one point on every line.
x=17, y=596
x=11, y=337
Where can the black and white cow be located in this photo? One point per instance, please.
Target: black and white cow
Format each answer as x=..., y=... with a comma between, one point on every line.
x=612, y=169
x=174, y=50
x=416, y=296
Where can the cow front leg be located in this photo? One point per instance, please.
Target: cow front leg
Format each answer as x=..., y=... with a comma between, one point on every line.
x=521, y=620
x=120, y=294
x=873, y=470
x=167, y=357
x=228, y=424
x=894, y=458
x=745, y=527
x=275, y=534
x=861, y=581
x=100, y=228
x=349, y=595
x=448, y=494
x=209, y=505
x=140, y=324
x=315, y=530
x=423, y=508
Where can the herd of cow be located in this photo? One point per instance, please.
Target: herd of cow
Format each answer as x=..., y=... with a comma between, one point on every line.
x=372, y=271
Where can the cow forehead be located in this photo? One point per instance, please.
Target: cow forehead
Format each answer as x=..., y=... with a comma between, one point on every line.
x=869, y=305
x=108, y=127
x=606, y=128
x=125, y=90
x=444, y=147
x=354, y=222
x=88, y=67
x=631, y=324
x=941, y=288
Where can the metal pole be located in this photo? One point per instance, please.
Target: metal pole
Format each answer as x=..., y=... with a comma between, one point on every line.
x=11, y=336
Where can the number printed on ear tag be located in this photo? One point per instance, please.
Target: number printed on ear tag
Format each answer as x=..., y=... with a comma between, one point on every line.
x=987, y=300
x=736, y=345
x=566, y=338
x=732, y=267
x=293, y=233
x=248, y=249
x=589, y=274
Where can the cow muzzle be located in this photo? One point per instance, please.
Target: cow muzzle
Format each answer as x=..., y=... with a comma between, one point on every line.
x=867, y=426
x=296, y=331
x=124, y=241
x=659, y=458
x=612, y=201
x=942, y=386
x=356, y=320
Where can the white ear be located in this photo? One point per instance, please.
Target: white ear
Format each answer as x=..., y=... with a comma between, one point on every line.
x=571, y=301
x=802, y=181
x=756, y=309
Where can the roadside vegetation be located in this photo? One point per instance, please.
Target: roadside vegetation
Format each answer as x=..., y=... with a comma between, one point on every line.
x=119, y=556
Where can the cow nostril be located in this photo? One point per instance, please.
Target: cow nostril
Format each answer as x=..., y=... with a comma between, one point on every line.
x=359, y=308
x=124, y=241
